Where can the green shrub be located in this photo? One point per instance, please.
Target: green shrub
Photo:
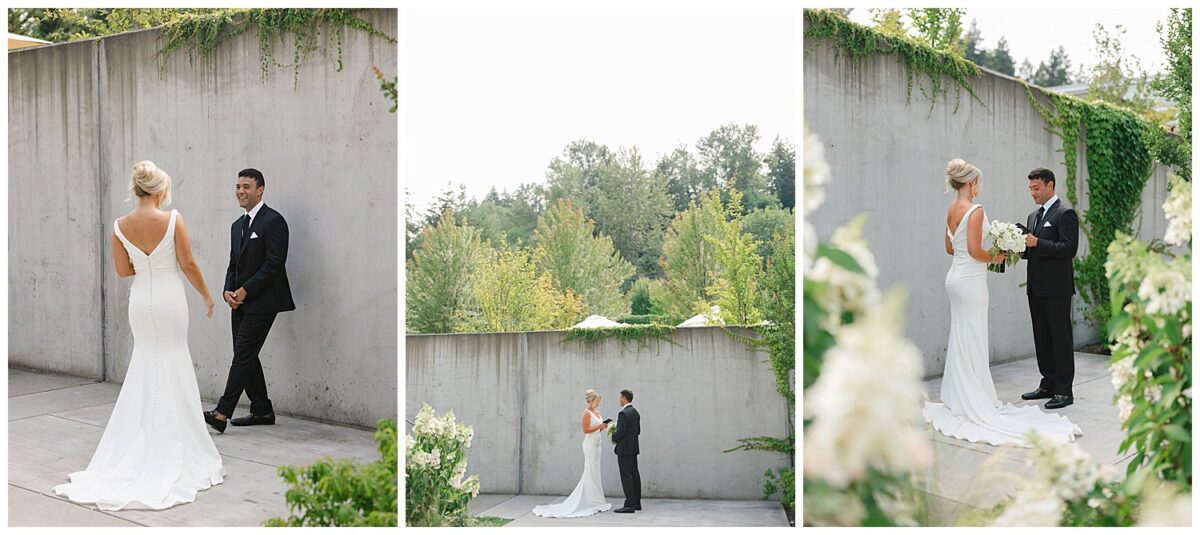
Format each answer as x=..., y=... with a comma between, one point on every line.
x=344, y=492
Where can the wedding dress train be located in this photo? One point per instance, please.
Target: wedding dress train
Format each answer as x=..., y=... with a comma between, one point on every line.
x=155, y=451
x=969, y=409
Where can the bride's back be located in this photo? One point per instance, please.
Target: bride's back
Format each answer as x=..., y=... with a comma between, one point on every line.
x=145, y=229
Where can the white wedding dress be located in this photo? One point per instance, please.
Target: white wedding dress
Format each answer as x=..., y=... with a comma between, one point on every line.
x=588, y=496
x=969, y=409
x=155, y=451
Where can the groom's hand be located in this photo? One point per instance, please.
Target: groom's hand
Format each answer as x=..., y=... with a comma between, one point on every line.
x=1030, y=240
x=240, y=295
x=229, y=300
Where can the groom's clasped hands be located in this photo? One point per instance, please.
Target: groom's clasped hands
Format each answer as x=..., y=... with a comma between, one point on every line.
x=236, y=298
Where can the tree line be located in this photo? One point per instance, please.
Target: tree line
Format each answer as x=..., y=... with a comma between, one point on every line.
x=606, y=233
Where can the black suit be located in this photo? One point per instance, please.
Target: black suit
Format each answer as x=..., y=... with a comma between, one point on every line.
x=629, y=426
x=1049, y=288
x=257, y=258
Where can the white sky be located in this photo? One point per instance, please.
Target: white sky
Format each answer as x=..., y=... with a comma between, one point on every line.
x=491, y=96
x=1033, y=33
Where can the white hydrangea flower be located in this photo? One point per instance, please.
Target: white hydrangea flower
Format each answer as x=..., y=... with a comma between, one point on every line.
x=408, y=444
x=845, y=290
x=459, y=471
x=422, y=459
x=810, y=246
x=1178, y=210
x=1166, y=288
x=816, y=172
x=1122, y=372
x=1125, y=407
x=1131, y=337
x=849, y=238
x=471, y=485
x=449, y=427
x=1064, y=468
x=424, y=418
x=466, y=435
x=1163, y=508
x=865, y=403
x=1033, y=506
x=1154, y=393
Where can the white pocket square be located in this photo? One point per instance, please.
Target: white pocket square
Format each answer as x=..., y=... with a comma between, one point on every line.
x=254, y=235
x=1046, y=225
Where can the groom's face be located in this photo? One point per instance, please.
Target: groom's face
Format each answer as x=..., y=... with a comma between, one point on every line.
x=248, y=192
x=1041, y=191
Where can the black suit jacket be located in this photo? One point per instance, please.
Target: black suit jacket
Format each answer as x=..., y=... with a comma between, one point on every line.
x=257, y=264
x=629, y=426
x=1051, y=267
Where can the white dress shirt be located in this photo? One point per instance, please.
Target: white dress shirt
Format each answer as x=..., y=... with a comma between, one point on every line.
x=1049, y=203
x=254, y=211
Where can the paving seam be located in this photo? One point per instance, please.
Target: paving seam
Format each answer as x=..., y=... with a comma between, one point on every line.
x=81, y=506
x=54, y=390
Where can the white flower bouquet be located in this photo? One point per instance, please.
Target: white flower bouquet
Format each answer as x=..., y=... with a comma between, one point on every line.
x=1006, y=238
x=612, y=429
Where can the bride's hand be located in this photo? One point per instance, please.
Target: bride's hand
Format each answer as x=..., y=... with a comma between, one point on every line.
x=999, y=259
x=208, y=304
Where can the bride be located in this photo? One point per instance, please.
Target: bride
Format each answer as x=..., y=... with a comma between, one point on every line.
x=969, y=409
x=588, y=496
x=155, y=451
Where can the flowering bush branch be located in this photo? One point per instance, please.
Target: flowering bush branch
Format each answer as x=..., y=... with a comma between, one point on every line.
x=862, y=379
x=1151, y=333
x=434, y=466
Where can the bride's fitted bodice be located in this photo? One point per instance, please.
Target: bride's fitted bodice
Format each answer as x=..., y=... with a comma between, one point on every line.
x=594, y=436
x=963, y=263
x=160, y=260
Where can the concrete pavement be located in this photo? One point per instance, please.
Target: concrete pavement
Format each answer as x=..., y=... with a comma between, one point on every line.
x=55, y=422
x=968, y=478
x=657, y=512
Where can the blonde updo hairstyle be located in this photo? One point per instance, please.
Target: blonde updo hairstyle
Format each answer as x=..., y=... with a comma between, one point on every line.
x=960, y=173
x=591, y=396
x=149, y=180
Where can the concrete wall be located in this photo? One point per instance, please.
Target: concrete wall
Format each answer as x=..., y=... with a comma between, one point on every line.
x=523, y=395
x=83, y=113
x=888, y=159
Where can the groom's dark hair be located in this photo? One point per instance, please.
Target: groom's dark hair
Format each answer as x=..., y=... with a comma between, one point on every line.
x=1043, y=174
x=628, y=395
x=253, y=173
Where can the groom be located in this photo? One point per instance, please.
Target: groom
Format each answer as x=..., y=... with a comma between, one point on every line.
x=256, y=288
x=629, y=426
x=1050, y=248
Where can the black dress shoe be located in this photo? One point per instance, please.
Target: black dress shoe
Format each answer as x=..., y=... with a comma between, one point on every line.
x=637, y=508
x=624, y=510
x=1060, y=401
x=254, y=419
x=1040, y=393
x=210, y=417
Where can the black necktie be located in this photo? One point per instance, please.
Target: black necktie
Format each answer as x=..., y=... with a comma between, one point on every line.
x=1037, y=223
x=246, y=227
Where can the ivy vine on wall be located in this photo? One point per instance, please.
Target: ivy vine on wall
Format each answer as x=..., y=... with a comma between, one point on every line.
x=201, y=34
x=626, y=333
x=860, y=41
